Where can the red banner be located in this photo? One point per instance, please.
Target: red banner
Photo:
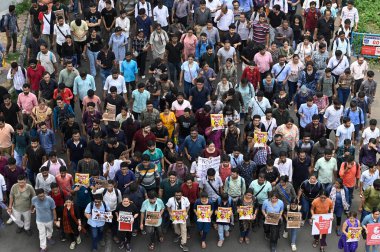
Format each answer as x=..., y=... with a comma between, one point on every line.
x=373, y=234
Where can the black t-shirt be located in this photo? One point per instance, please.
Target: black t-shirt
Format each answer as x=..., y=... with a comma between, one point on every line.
x=34, y=13
x=35, y=158
x=325, y=28
x=116, y=151
x=47, y=89
x=106, y=60
x=276, y=20
x=119, y=102
x=10, y=115
x=160, y=67
x=160, y=133
x=249, y=53
x=250, y=127
x=97, y=151
x=93, y=18
x=131, y=209
x=199, y=97
x=94, y=44
x=174, y=52
x=234, y=39
x=109, y=16
x=34, y=46
x=67, y=130
x=272, y=175
x=3, y=91
x=185, y=125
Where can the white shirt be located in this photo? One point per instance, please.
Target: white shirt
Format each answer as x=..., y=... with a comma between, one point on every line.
x=46, y=25
x=333, y=62
x=306, y=4
x=269, y=126
x=213, y=6
x=3, y=187
x=161, y=15
x=173, y=205
x=285, y=168
x=124, y=24
x=359, y=71
x=367, y=179
x=43, y=183
x=259, y=107
x=344, y=46
x=344, y=133
x=19, y=78
x=110, y=198
x=146, y=6
x=179, y=108
x=113, y=168
x=47, y=61
x=119, y=83
x=224, y=22
x=283, y=5
x=65, y=29
x=352, y=15
x=333, y=117
x=368, y=134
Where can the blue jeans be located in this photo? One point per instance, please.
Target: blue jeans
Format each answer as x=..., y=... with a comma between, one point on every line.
x=104, y=73
x=97, y=235
x=75, y=7
x=18, y=158
x=174, y=70
x=305, y=208
x=293, y=235
x=92, y=56
x=343, y=95
x=375, y=248
x=205, y=228
x=186, y=88
x=221, y=230
x=292, y=89
x=74, y=165
x=351, y=194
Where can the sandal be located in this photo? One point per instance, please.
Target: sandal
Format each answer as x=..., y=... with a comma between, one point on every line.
x=151, y=246
x=247, y=240
x=241, y=239
x=161, y=239
x=315, y=243
x=204, y=245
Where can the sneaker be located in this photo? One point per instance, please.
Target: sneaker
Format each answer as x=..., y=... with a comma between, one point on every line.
x=220, y=243
x=29, y=232
x=302, y=223
x=19, y=230
x=50, y=241
x=338, y=232
x=79, y=240
x=294, y=247
x=72, y=245
x=9, y=221
x=128, y=248
x=121, y=245
x=134, y=233
x=176, y=239
x=266, y=236
x=227, y=234
x=143, y=232
x=143, y=77
x=102, y=243
x=63, y=239
x=285, y=235
x=184, y=247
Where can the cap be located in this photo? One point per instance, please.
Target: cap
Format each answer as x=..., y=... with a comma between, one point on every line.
x=118, y=29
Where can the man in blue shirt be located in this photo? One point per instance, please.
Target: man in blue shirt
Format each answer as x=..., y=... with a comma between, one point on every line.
x=47, y=138
x=306, y=112
x=194, y=144
x=357, y=117
x=124, y=177
x=128, y=68
x=82, y=84
x=199, y=95
x=281, y=72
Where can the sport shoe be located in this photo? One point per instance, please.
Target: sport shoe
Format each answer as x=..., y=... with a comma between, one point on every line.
x=294, y=247
x=19, y=230
x=50, y=241
x=184, y=247
x=128, y=247
x=285, y=235
x=176, y=239
x=9, y=221
x=102, y=243
x=220, y=243
x=134, y=233
x=302, y=223
x=143, y=77
x=72, y=245
x=29, y=232
x=121, y=245
x=79, y=240
x=227, y=234
x=143, y=232
x=43, y=250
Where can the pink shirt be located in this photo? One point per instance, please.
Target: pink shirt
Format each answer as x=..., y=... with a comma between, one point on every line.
x=263, y=62
x=65, y=183
x=27, y=102
x=94, y=99
x=321, y=103
x=6, y=136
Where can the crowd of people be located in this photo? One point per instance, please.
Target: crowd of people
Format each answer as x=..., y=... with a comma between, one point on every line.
x=141, y=137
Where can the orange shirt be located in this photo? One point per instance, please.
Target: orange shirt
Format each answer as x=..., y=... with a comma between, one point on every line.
x=349, y=176
x=224, y=172
x=322, y=207
x=6, y=136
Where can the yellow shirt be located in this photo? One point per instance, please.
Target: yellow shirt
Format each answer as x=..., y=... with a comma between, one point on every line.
x=168, y=121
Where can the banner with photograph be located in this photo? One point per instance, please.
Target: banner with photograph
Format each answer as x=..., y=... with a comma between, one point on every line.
x=293, y=220
x=82, y=179
x=110, y=113
x=224, y=214
x=354, y=234
x=152, y=218
x=217, y=121
x=125, y=221
x=272, y=218
x=373, y=234
x=322, y=224
x=101, y=215
x=179, y=216
x=204, y=213
x=260, y=138
x=245, y=212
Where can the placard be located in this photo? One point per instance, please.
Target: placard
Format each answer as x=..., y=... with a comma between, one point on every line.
x=272, y=218
x=101, y=215
x=223, y=214
x=110, y=113
x=217, y=121
x=82, y=179
x=260, y=138
x=322, y=224
x=179, y=216
x=354, y=234
x=245, y=212
x=373, y=234
x=204, y=213
x=152, y=218
x=205, y=163
x=125, y=221
x=293, y=220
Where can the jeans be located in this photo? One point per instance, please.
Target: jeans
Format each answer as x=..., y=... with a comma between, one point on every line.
x=205, y=228
x=153, y=232
x=10, y=38
x=45, y=231
x=186, y=88
x=375, y=248
x=104, y=73
x=97, y=235
x=174, y=69
x=357, y=132
x=293, y=235
x=305, y=203
x=75, y=7
x=92, y=56
x=18, y=158
x=343, y=94
x=351, y=194
x=221, y=230
x=31, y=176
x=292, y=89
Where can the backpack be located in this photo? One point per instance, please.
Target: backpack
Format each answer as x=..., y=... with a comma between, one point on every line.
x=241, y=183
x=116, y=192
x=50, y=56
x=360, y=113
x=337, y=41
x=59, y=161
x=2, y=22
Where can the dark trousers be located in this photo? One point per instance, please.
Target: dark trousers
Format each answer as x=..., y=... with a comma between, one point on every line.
x=141, y=62
x=328, y=131
x=174, y=70
x=182, y=20
x=321, y=239
x=59, y=50
x=12, y=38
x=358, y=83
x=80, y=45
x=131, y=85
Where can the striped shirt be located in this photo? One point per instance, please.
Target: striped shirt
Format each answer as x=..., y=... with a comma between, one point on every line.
x=260, y=31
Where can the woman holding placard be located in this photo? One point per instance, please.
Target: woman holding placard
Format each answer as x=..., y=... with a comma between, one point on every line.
x=349, y=240
x=272, y=210
x=247, y=210
x=203, y=209
x=293, y=207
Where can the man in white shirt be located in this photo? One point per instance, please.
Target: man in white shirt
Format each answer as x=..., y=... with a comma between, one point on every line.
x=343, y=44
x=332, y=117
x=223, y=18
x=102, y=5
x=124, y=23
x=111, y=166
x=359, y=70
x=284, y=165
x=214, y=6
x=18, y=76
x=345, y=131
x=270, y=123
x=61, y=30
x=338, y=64
x=3, y=190
x=116, y=80
x=48, y=20
x=351, y=13
x=283, y=5
x=44, y=179
x=258, y=104
x=161, y=15
x=370, y=132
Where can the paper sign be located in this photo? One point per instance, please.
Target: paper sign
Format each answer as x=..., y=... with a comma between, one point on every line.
x=260, y=138
x=272, y=219
x=373, y=234
x=205, y=163
x=125, y=221
x=204, y=213
x=101, y=215
x=179, y=216
x=293, y=220
x=217, y=121
x=152, y=218
x=110, y=113
x=223, y=214
x=245, y=213
x=354, y=234
x=82, y=179
x=322, y=224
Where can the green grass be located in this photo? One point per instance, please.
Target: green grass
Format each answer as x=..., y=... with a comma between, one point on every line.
x=13, y=57
x=22, y=6
x=369, y=18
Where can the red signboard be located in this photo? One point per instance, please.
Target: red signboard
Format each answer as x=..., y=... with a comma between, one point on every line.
x=373, y=234
x=371, y=50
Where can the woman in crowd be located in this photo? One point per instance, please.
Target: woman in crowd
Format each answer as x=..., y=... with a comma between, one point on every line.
x=338, y=193
x=189, y=41
x=189, y=72
x=72, y=225
x=351, y=222
x=230, y=71
x=273, y=205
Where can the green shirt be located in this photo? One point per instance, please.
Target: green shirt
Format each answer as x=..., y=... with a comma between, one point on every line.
x=156, y=158
x=168, y=189
x=372, y=198
x=68, y=77
x=325, y=170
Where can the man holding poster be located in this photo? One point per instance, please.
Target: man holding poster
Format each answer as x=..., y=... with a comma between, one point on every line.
x=178, y=207
x=126, y=212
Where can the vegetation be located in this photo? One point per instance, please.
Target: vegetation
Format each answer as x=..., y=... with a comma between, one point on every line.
x=369, y=18
x=22, y=6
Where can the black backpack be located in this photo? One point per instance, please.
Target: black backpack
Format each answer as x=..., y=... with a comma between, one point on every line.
x=116, y=192
x=2, y=22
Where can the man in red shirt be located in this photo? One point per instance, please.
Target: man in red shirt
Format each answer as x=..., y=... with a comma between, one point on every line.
x=64, y=92
x=190, y=189
x=34, y=75
x=141, y=137
x=350, y=173
x=311, y=17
